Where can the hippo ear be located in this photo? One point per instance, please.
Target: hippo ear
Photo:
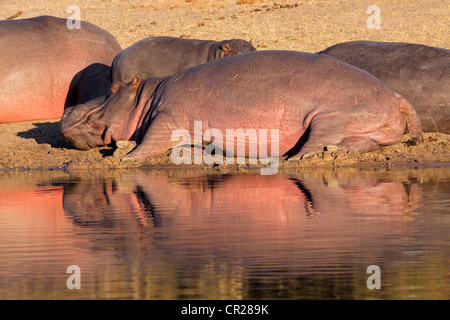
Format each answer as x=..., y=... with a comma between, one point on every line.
x=115, y=87
x=135, y=82
x=226, y=48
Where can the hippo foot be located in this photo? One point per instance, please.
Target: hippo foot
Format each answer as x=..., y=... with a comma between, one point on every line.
x=307, y=155
x=414, y=140
x=331, y=148
x=124, y=147
x=302, y=157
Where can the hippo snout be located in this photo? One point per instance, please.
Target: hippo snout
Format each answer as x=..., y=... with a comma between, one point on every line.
x=78, y=131
x=81, y=141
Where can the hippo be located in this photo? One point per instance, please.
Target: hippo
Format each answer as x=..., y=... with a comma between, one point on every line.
x=45, y=66
x=165, y=56
x=295, y=93
x=418, y=72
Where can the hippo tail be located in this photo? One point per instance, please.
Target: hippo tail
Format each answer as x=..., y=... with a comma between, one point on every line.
x=413, y=125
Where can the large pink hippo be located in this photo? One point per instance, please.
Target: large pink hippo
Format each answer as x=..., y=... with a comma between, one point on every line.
x=419, y=73
x=292, y=92
x=41, y=58
x=165, y=56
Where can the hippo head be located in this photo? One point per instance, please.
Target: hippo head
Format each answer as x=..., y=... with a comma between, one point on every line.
x=103, y=120
x=232, y=47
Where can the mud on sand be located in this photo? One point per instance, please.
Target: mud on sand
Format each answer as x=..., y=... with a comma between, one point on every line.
x=284, y=24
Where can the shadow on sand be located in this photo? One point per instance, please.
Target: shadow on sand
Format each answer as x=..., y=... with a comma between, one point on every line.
x=46, y=133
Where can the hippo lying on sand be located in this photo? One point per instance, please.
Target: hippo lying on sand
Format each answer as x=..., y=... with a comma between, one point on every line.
x=41, y=58
x=285, y=90
x=419, y=73
x=165, y=56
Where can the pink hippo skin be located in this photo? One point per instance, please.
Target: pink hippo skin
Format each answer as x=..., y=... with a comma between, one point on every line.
x=290, y=91
x=41, y=58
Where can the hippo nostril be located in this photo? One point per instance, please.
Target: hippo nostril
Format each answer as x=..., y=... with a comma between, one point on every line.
x=104, y=134
x=107, y=136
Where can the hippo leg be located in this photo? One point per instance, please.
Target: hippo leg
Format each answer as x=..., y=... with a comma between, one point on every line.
x=359, y=144
x=330, y=132
x=157, y=139
x=321, y=134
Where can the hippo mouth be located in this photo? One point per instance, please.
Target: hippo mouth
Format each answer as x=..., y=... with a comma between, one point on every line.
x=95, y=134
x=85, y=137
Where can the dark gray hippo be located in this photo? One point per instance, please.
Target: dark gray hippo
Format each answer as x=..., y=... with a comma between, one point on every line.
x=294, y=92
x=45, y=66
x=419, y=73
x=165, y=56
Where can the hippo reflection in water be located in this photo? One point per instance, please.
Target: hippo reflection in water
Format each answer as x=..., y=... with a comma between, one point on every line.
x=177, y=231
x=246, y=202
x=190, y=228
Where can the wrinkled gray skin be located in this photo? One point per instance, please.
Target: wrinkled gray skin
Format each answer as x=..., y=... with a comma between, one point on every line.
x=293, y=92
x=165, y=56
x=419, y=73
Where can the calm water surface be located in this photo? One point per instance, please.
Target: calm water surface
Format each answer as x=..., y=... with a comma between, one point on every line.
x=172, y=235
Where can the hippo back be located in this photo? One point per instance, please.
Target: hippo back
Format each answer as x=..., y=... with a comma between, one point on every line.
x=40, y=58
x=165, y=56
x=418, y=72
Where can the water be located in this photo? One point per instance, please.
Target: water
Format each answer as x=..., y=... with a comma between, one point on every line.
x=310, y=234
